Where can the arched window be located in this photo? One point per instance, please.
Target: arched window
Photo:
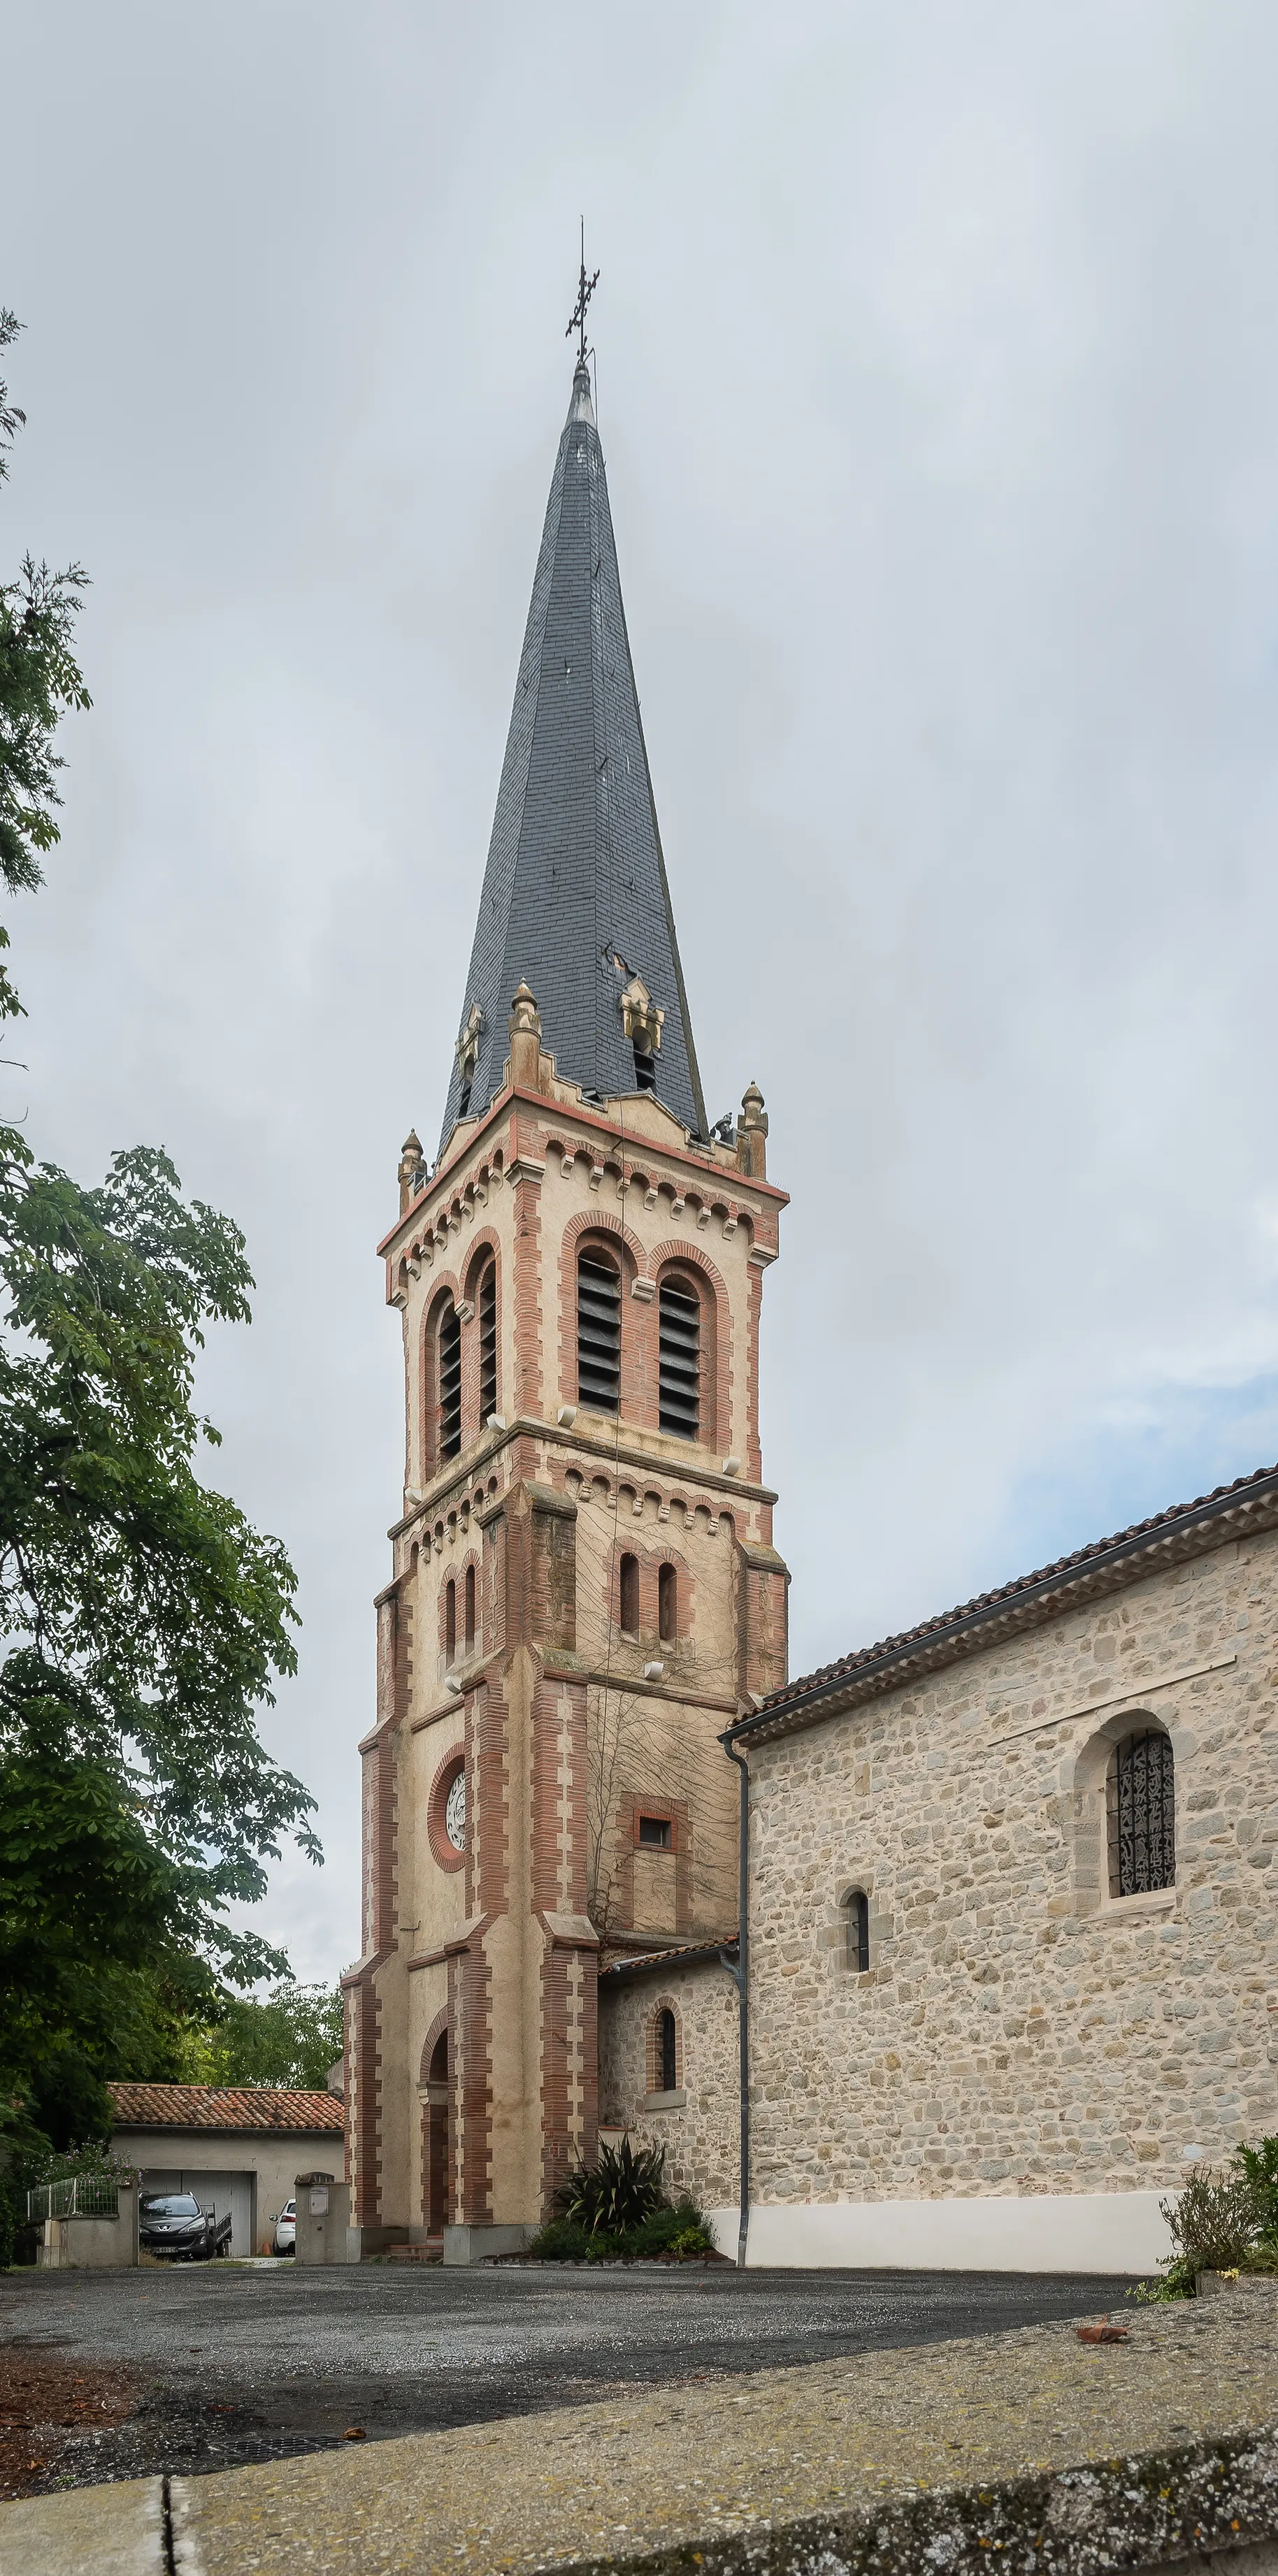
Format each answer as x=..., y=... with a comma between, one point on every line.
x=667, y=1605
x=486, y=1306
x=1140, y=1805
x=598, y=1331
x=450, y=1622
x=667, y=2051
x=470, y=1609
x=629, y=1596
x=679, y=1358
x=450, y=1382
x=856, y=1916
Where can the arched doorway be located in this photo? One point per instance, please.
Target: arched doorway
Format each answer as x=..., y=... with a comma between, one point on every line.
x=437, y=2137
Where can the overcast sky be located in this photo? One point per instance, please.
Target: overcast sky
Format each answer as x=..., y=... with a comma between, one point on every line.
x=938, y=382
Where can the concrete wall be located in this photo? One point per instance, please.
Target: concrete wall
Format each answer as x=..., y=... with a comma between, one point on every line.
x=185, y=2159
x=92, y=2244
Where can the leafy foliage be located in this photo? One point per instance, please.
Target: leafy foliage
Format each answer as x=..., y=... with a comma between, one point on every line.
x=619, y=2191
x=143, y=1622
x=667, y=2234
x=292, y=2038
x=1221, y=2222
x=40, y=680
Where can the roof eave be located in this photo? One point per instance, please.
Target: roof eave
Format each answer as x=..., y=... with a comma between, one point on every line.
x=1126, y=1559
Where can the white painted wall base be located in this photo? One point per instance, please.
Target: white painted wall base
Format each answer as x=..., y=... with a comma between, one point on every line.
x=1095, y=2231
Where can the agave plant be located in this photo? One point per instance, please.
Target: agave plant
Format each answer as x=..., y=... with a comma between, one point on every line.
x=619, y=2192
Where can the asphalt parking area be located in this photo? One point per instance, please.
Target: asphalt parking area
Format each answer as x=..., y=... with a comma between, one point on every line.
x=234, y=2364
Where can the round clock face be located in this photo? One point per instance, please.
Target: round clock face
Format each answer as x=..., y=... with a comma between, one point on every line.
x=455, y=1813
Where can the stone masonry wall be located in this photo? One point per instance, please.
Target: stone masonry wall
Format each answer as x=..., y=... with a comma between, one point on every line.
x=699, y=2133
x=1018, y=2029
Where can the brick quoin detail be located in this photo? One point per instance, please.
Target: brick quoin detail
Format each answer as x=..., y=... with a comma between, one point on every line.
x=527, y=1285
x=569, y=2060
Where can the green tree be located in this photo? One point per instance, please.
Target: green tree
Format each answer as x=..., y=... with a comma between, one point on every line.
x=144, y=1622
x=291, y=2037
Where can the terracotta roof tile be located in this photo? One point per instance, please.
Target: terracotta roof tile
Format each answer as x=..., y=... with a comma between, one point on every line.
x=949, y=1625
x=213, y=2106
x=648, y=1961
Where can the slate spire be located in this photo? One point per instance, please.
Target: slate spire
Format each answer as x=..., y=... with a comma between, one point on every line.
x=575, y=901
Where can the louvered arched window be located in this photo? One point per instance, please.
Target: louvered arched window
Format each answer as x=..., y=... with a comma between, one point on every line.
x=448, y=1349
x=679, y=1357
x=470, y=1609
x=598, y=1331
x=486, y=1309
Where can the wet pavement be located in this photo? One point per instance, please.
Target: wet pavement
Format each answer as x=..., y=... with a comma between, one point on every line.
x=236, y=2364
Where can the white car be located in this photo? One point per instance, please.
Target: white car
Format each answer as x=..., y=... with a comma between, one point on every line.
x=286, y=2229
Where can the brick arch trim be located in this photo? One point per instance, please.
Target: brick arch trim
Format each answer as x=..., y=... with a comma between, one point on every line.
x=602, y=1221
x=486, y=1241
x=442, y=1850
x=431, y=2042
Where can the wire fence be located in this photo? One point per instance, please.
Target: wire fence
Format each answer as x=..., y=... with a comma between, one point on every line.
x=84, y=2196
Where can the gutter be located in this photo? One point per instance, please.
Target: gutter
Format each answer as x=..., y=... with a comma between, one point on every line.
x=739, y=1971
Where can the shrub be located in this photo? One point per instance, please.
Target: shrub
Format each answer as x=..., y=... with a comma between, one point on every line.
x=619, y=2192
x=561, y=2241
x=681, y=2230
x=1222, y=2222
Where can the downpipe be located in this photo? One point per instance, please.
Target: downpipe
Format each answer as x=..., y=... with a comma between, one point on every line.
x=739, y=1970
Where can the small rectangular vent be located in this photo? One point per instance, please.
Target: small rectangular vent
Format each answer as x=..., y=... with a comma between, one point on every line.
x=450, y=1382
x=488, y=1343
x=598, y=1333
x=679, y=1359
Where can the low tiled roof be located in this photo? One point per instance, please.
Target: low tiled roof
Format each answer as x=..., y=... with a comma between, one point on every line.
x=214, y=2106
x=650, y=1961
x=1250, y=1502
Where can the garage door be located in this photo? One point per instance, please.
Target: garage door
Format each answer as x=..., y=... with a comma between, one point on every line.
x=230, y=2194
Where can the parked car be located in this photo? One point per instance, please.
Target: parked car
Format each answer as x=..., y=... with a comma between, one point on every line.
x=285, y=2238
x=176, y=2223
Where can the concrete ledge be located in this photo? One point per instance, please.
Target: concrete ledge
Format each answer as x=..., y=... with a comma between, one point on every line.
x=1028, y=2451
x=474, y=2244
x=1086, y=2231
x=93, y=2531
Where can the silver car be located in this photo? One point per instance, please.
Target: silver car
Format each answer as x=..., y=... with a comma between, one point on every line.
x=285, y=2238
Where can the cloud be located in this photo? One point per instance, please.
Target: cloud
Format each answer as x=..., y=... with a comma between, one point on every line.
x=939, y=389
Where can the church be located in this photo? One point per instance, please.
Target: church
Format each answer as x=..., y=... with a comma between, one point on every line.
x=959, y=1953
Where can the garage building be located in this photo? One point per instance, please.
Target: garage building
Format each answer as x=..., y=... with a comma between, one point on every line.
x=239, y=2150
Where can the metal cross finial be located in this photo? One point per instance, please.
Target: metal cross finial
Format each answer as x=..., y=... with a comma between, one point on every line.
x=585, y=289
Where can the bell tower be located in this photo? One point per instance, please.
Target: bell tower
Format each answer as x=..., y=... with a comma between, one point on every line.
x=583, y=1590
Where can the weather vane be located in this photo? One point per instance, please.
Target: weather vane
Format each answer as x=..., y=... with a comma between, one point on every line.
x=585, y=290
